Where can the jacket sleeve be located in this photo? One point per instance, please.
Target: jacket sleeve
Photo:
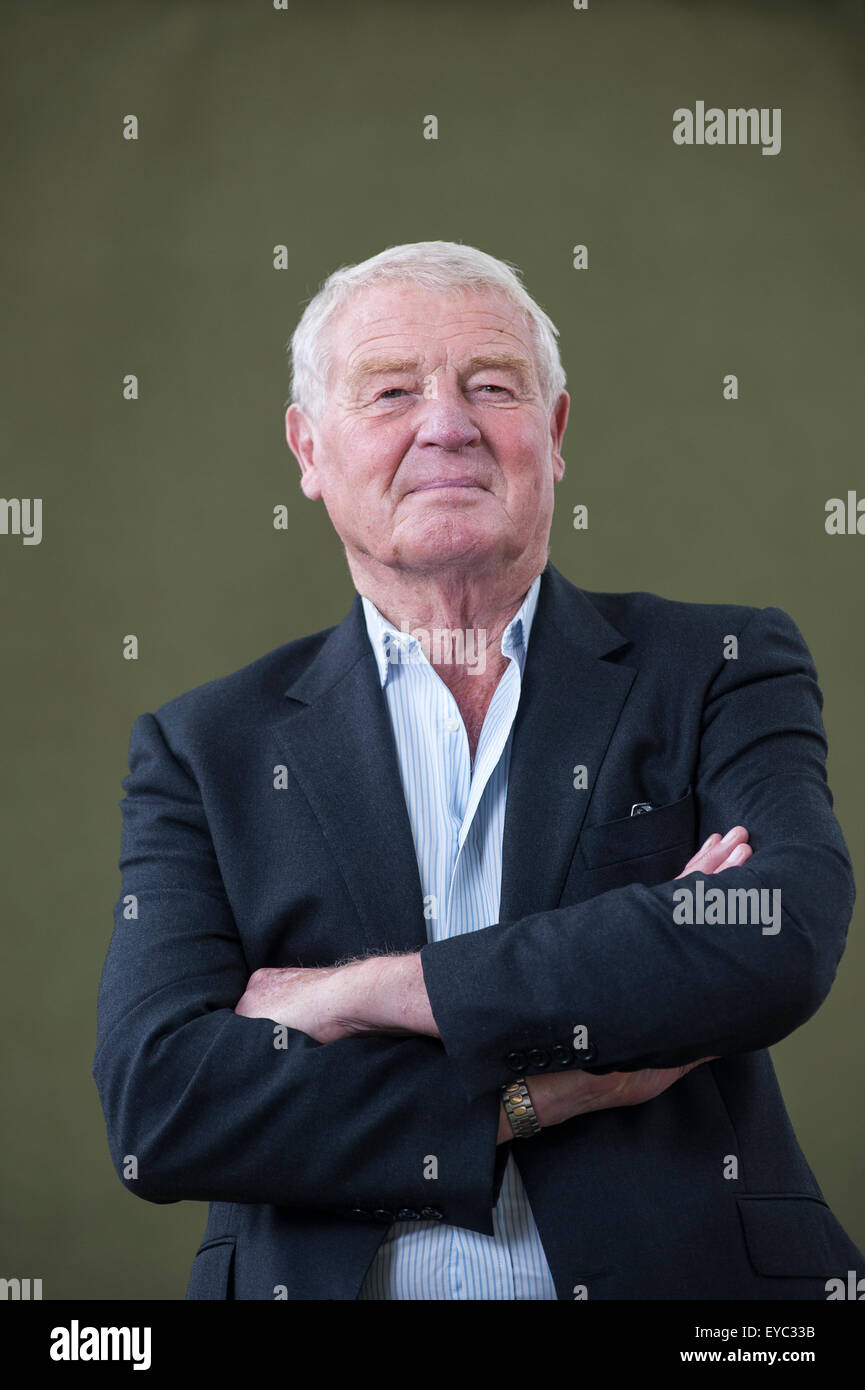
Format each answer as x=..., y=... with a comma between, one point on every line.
x=652, y=992
x=203, y=1104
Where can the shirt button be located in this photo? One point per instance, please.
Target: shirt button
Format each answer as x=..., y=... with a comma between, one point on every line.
x=452, y=725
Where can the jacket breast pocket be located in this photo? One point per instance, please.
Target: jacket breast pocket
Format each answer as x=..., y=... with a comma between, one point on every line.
x=212, y=1268
x=664, y=829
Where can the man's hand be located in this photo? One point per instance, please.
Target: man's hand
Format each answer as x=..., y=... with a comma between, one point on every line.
x=716, y=854
x=563, y=1095
x=380, y=994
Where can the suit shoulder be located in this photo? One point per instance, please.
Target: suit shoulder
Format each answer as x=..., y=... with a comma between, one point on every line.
x=639, y=614
x=676, y=630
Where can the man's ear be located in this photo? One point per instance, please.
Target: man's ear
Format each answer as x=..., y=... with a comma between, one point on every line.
x=301, y=440
x=558, y=424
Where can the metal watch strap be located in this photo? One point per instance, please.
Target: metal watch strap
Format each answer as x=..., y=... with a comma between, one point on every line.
x=519, y=1109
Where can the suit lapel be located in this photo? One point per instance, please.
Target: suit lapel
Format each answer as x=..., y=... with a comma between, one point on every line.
x=340, y=747
x=570, y=703
x=338, y=743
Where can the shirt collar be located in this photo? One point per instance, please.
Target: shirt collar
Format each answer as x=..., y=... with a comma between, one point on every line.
x=386, y=640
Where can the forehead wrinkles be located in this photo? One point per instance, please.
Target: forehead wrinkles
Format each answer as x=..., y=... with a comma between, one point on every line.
x=382, y=333
x=369, y=318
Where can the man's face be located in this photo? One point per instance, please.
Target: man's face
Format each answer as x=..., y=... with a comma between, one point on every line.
x=434, y=449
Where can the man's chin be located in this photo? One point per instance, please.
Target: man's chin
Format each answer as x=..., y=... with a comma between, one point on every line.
x=448, y=548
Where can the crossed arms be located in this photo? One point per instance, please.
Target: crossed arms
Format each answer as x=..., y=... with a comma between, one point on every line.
x=214, y=1107
x=387, y=994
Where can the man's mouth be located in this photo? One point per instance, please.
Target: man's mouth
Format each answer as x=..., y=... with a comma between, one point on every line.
x=436, y=483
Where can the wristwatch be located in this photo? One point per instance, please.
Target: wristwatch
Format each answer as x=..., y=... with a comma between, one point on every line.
x=519, y=1109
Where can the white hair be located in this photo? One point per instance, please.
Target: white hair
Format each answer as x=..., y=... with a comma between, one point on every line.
x=446, y=266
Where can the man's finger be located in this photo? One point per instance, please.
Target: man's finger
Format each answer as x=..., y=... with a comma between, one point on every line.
x=714, y=853
x=738, y=856
x=697, y=858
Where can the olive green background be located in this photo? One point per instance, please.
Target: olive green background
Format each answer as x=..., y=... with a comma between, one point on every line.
x=304, y=127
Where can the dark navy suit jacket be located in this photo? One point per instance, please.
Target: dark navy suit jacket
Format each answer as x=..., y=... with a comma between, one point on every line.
x=264, y=824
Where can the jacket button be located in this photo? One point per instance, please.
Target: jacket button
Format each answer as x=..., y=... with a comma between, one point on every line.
x=431, y=1214
x=562, y=1056
x=516, y=1061
x=359, y=1214
x=383, y=1217
x=588, y=1054
x=407, y=1214
x=538, y=1058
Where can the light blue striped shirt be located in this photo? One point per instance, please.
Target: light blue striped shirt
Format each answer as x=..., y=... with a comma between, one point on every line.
x=457, y=818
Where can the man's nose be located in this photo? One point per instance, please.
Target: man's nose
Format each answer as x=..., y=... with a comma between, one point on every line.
x=446, y=419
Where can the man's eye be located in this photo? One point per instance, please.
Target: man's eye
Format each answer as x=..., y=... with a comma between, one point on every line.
x=391, y=392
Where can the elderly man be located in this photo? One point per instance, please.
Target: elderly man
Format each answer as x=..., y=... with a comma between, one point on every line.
x=423, y=975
